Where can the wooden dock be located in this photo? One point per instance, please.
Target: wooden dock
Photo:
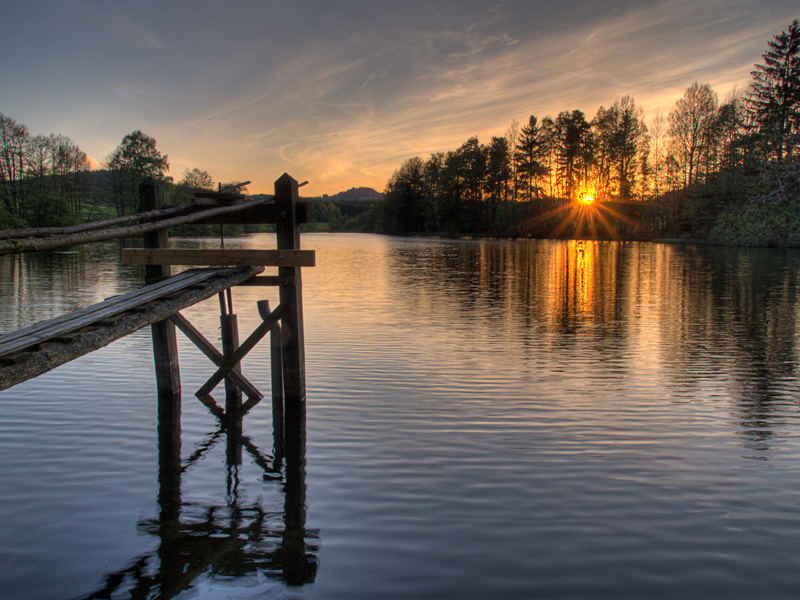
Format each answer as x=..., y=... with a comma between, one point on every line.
x=36, y=349
x=42, y=346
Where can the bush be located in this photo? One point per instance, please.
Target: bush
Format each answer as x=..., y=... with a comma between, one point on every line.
x=760, y=224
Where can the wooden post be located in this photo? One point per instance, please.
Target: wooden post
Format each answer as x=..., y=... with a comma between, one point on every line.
x=276, y=383
x=169, y=500
x=165, y=346
x=168, y=384
x=291, y=298
x=297, y=568
x=233, y=395
x=230, y=343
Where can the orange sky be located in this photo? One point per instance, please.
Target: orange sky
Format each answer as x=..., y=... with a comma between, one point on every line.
x=341, y=96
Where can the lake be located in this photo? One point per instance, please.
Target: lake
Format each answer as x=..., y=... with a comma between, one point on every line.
x=486, y=419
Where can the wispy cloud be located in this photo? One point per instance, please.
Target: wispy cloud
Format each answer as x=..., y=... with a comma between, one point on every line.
x=355, y=92
x=128, y=30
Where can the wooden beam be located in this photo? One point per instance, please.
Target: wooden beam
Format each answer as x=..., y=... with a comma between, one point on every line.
x=236, y=357
x=218, y=257
x=49, y=356
x=263, y=281
x=207, y=348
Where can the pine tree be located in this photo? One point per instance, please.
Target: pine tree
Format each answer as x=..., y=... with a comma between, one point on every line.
x=773, y=101
x=573, y=151
x=529, y=156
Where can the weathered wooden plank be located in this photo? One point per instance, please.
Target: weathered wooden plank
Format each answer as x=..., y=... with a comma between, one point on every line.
x=67, y=322
x=205, y=256
x=50, y=356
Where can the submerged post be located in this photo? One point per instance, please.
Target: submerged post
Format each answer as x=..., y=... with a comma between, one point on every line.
x=233, y=395
x=294, y=368
x=291, y=296
x=276, y=383
x=165, y=346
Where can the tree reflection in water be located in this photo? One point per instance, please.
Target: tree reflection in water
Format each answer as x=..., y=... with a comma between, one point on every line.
x=226, y=541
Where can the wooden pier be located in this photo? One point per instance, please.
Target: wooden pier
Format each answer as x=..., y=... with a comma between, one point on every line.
x=38, y=348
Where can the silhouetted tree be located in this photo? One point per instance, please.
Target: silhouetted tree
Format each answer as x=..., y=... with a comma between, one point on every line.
x=405, y=195
x=468, y=164
x=690, y=123
x=621, y=136
x=773, y=101
x=432, y=176
x=658, y=131
x=135, y=159
x=197, y=180
x=498, y=179
x=530, y=153
x=571, y=150
x=14, y=139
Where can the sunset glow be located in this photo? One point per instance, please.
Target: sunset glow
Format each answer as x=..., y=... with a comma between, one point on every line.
x=341, y=96
x=587, y=199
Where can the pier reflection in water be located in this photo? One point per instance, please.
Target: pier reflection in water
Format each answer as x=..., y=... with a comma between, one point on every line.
x=231, y=540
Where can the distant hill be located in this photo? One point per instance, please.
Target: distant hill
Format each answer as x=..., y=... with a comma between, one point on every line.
x=354, y=195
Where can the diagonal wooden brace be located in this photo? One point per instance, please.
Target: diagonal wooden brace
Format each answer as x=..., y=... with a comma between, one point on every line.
x=226, y=366
x=214, y=355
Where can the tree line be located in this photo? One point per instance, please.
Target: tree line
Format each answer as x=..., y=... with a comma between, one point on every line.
x=727, y=171
x=48, y=181
x=688, y=173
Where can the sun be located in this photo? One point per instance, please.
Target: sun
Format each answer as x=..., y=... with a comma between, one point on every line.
x=587, y=199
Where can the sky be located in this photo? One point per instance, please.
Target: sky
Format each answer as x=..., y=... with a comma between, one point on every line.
x=341, y=93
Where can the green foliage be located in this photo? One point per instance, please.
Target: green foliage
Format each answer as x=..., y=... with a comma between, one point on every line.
x=367, y=221
x=326, y=216
x=760, y=224
x=7, y=221
x=48, y=211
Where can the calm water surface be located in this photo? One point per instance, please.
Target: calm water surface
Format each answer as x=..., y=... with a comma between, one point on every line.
x=486, y=419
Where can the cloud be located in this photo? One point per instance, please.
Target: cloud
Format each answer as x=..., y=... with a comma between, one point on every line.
x=130, y=31
x=346, y=107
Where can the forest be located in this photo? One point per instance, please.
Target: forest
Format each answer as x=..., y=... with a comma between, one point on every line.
x=720, y=171
x=47, y=181
x=710, y=170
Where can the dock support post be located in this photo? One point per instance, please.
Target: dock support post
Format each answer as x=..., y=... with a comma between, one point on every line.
x=165, y=346
x=276, y=383
x=233, y=395
x=291, y=298
x=294, y=381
